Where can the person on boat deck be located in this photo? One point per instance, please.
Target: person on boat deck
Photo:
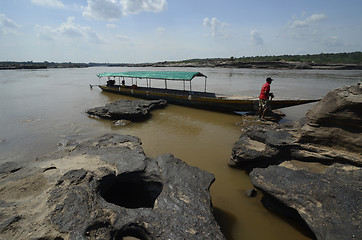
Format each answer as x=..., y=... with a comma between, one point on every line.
x=264, y=102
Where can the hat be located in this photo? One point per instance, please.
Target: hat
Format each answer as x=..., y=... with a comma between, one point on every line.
x=269, y=79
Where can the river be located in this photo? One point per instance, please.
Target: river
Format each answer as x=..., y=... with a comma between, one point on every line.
x=42, y=109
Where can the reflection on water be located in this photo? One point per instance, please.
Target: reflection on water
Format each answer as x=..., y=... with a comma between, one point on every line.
x=42, y=108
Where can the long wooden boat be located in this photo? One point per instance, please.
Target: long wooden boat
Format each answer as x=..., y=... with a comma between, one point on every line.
x=198, y=99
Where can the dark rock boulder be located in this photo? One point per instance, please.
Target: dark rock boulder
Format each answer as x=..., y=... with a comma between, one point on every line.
x=326, y=136
x=328, y=202
x=336, y=120
x=107, y=188
x=341, y=108
x=311, y=170
x=133, y=110
x=262, y=145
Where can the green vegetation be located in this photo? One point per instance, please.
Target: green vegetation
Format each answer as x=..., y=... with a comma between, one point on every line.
x=346, y=61
x=322, y=58
x=39, y=65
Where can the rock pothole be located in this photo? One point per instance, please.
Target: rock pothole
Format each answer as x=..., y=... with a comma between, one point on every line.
x=129, y=190
x=133, y=232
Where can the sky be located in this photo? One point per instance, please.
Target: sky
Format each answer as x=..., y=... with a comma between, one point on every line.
x=140, y=31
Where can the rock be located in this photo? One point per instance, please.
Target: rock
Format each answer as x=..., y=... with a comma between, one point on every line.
x=341, y=108
x=327, y=137
x=10, y=167
x=133, y=110
x=336, y=120
x=251, y=193
x=261, y=146
x=328, y=202
x=107, y=188
x=311, y=170
x=121, y=122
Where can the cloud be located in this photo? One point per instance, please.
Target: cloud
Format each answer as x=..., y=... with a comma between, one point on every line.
x=8, y=26
x=215, y=26
x=68, y=30
x=305, y=27
x=307, y=22
x=122, y=37
x=111, y=26
x=311, y=32
x=136, y=6
x=160, y=31
x=256, y=38
x=49, y=3
x=110, y=10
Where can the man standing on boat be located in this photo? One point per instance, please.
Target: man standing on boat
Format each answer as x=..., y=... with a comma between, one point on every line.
x=264, y=102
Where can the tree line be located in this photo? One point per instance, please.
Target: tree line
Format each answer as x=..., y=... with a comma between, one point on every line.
x=354, y=58
x=322, y=58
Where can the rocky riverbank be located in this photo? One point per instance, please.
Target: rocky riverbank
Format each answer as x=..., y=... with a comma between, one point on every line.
x=105, y=188
x=311, y=170
x=200, y=63
x=225, y=63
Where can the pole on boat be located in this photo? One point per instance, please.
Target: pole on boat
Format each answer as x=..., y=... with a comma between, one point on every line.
x=165, y=84
x=205, y=83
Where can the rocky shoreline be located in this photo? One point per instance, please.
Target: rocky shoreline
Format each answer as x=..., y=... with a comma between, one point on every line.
x=107, y=188
x=251, y=64
x=311, y=170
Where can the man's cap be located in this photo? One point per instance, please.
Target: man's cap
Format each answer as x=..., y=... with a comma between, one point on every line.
x=269, y=79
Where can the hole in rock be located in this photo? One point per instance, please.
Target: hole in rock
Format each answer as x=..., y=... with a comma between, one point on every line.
x=129, y=190
x=133, y=232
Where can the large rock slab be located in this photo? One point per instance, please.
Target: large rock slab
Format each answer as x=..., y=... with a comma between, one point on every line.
x=283, y=160
x=106, y=188
x=123, y=109
x=336, y=120
x=329, y=202
x=332, y=132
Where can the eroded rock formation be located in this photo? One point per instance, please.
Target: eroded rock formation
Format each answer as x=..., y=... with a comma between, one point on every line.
x=106, y=188
x=123, y=109
x=312, y=167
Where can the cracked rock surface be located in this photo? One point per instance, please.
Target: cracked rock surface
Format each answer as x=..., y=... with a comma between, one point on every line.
x=106, y=188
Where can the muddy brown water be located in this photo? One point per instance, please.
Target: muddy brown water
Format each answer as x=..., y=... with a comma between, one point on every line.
x=43, y=109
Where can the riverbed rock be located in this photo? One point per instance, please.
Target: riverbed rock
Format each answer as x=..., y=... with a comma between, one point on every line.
x=329, y=202
x=123, y=109
x=330, y=133
x=106, y=188
x=336, y=121
x=311, y=168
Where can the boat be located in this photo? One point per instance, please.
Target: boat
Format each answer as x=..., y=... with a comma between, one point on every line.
x=116, y=83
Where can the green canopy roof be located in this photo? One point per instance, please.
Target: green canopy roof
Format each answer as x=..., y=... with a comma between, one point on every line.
x=169, y=75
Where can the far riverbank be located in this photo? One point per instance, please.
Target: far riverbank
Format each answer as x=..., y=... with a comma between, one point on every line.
x=332, y=61
x=282, y=65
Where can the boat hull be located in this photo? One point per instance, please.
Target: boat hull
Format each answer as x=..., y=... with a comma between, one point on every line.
x=209, y=101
